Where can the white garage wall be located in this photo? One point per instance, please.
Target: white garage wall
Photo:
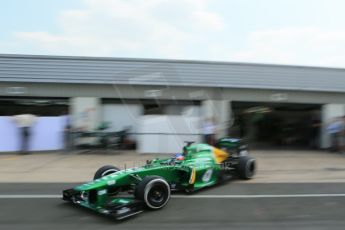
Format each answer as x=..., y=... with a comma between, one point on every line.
x=122, y=116
x=166, y=134
x=85, y=112
x=329, y=112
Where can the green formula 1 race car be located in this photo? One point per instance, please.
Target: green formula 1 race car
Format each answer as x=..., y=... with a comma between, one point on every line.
x=124, y=193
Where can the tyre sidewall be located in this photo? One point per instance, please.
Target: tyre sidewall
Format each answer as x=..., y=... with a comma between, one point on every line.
x=147, y=186
x=104, y=171
x=245, y=171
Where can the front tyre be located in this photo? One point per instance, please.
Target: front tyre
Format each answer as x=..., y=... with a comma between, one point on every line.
x=104, y=171
x=154, y=191
x=246, y=167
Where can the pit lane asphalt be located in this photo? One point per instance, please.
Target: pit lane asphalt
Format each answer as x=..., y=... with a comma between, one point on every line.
x=184, y=213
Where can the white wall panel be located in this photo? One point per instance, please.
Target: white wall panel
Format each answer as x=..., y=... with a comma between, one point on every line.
x=166, y=134
x=329, y=112
x=122, y=116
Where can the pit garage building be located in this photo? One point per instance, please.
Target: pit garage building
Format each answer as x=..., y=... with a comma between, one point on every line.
x=269, y=105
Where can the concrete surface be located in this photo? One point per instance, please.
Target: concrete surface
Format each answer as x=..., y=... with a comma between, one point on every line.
x=273, y=200
x=273, y=166
x=194, y=213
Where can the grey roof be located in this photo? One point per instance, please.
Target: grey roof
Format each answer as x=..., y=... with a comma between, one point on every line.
x=95, y=70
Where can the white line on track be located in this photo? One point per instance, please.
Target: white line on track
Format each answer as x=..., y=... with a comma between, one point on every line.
x=257, y=196
x=29, y=196
x=47, y=196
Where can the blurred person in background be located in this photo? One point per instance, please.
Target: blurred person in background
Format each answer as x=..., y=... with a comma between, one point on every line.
x=335, y=130
x=342, y=136
x=67, y=132
x=209, y=130
x=315, y=133
x=68, y=142
x=24, y=122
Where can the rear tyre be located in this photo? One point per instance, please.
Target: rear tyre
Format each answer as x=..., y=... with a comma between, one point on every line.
x=246, y=167
x=104, y=171
x=154, y=191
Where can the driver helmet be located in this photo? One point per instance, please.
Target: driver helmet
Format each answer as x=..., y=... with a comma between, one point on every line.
x=179, y=156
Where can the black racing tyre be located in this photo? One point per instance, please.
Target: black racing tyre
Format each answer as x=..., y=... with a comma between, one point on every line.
x=105, y=170
x=246, y=167
x=154, y=191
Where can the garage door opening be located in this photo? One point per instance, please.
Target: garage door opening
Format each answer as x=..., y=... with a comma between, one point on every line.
x=277, y=125
x=10, y=106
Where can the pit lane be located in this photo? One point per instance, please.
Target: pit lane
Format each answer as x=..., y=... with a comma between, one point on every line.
x=232, y=205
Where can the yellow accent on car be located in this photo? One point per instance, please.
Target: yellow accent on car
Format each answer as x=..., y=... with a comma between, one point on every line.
x=220, y=155
x=192, y=176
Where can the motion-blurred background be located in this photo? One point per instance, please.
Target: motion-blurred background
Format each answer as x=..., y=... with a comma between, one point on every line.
x=154, y=105
x=86, y=83
x=101, y=72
